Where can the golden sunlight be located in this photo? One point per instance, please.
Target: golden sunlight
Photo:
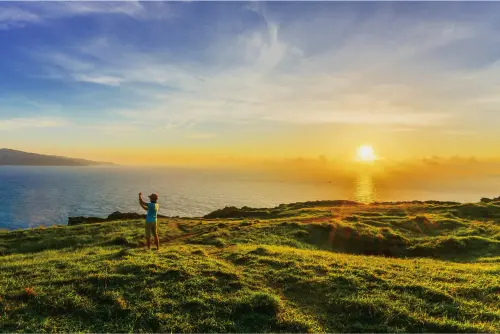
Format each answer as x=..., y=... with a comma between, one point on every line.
x=365, y=153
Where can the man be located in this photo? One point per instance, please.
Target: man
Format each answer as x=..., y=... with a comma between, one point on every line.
x=151, y=224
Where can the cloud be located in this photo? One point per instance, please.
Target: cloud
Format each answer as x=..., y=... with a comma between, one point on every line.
x=27, y=123
x=134, y=9
x=403, y=129
x=102, y=79
x=19, y=14
x=460, y=132
x=379, y=70
x=73, y=8
x=199, y=135
x=15, y=17
x=114, y=128
x=366, y=117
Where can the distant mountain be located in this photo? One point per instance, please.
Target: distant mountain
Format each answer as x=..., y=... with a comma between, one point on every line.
x=10, y=157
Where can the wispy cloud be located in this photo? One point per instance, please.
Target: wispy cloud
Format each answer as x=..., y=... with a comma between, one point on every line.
x=99, y=79
x=458, y=132
x=366, y=117
x=18, y=14
x=15, y=17
x=27, y=123
x=199, y=135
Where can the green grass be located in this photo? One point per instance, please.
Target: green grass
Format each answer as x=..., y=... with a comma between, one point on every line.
x=304, y=267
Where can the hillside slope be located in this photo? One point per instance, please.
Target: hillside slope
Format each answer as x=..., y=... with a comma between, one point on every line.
x=335, y=267
x=10, y=157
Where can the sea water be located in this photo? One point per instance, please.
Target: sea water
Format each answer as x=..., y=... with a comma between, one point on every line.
x=33, y=196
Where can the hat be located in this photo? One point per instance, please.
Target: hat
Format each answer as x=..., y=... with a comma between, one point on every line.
x=153, y=197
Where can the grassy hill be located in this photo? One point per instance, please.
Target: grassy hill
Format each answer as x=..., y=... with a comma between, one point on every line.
x=317, y=266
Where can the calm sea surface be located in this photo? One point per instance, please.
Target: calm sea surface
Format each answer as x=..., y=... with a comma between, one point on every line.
x=32, y=196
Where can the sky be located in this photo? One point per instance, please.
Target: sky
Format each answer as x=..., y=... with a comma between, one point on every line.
x=162, y=82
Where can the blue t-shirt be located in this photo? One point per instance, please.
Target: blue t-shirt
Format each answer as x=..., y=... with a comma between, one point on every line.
x=152, y=212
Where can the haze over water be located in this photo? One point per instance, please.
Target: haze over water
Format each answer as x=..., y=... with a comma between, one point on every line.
x=32, y=196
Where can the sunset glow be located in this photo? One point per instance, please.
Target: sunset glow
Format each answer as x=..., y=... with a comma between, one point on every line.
x=258, y=79
x=365, y=153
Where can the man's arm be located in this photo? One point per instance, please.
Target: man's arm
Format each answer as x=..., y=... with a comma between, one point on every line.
x=142, y=203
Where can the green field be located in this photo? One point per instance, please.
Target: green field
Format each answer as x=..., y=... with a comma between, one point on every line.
x=304, y=267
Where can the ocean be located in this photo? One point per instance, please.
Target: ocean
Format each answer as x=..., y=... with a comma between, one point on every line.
x=33, y=196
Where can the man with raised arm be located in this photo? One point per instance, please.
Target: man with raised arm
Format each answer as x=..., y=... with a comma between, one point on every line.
x=151, y=217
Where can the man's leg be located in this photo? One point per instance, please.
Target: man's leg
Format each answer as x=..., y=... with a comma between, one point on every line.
x=157, y=241
x=148, y=235
x=155, y=231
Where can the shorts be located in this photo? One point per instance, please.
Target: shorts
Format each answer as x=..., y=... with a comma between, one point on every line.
x=151, y=229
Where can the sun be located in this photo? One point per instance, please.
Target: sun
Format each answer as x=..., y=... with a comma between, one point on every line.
x=365, y=153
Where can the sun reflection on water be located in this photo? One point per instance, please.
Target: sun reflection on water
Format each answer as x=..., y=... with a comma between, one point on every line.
x=364, y=188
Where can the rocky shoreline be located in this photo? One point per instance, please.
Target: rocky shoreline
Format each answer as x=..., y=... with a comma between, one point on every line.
x=117, y=215
x=245, y=212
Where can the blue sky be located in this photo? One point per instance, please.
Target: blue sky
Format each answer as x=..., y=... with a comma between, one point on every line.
x=298, y=78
